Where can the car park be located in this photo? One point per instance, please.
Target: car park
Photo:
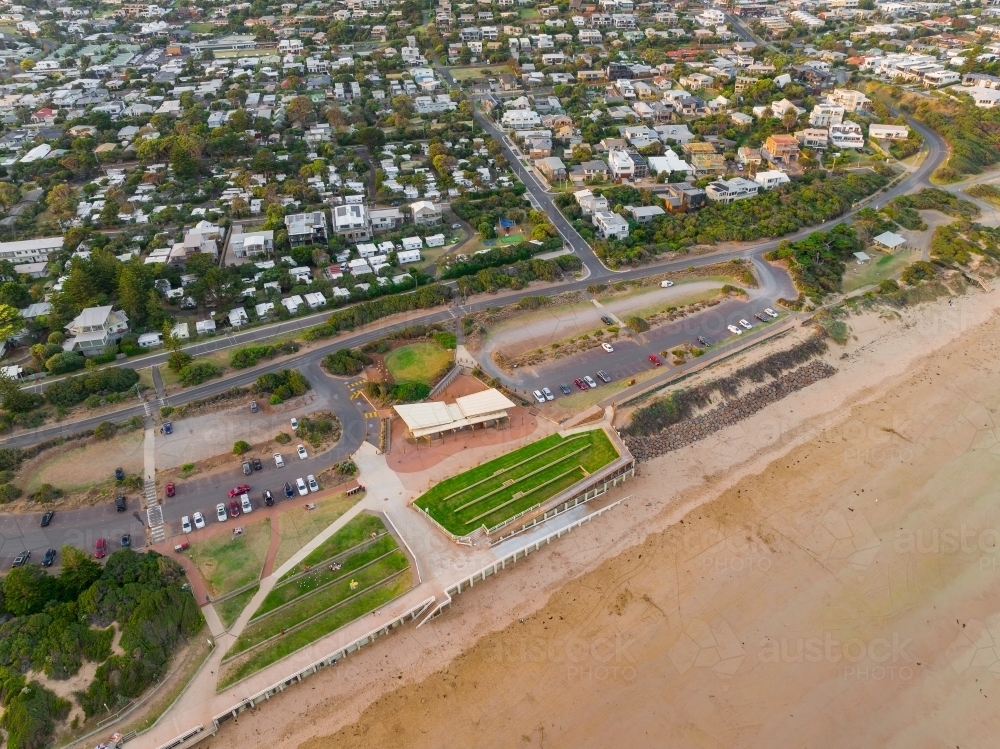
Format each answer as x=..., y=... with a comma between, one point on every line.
x=220, y=512
x=666, y=284
x=608, y=347
x=171, y=489
x=238, y=490
x=234, y=509
x=655, y=360
x=301, y=450
x=21, y=559
x=538, y=396
x=268, y=499
x=289, y=491
x=746, y=324
x=295, y=424
x=100, y=548
x=279, y=461
x=253, y=407
x=565, y=388
x=734, y=329
x=548, y=394
x=301, y=485
x=126, y=540
x=603, y=375
x=607, y=320
x=247, y=470
x=246, y=504
x=770, y=312
x=186, y=524
x=120, y=504
x=257, y=465
x=580, y=383
x=50, y=557
x=704, y=341
x=47, y=518
x=590, y=381
x=313, y=484
x=199, y=520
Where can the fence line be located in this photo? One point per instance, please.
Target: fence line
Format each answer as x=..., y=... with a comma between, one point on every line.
x=446, y=380
x=402, y=538
x=178, y=740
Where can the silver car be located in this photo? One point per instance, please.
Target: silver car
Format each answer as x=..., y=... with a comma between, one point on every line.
x=220, y=512
x=548, y=394
x=538, y=396
x=590, y=381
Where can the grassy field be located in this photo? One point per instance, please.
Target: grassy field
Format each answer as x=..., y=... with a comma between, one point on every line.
x=91, y=465
x=501, y=488
x=299, y=527
x=880, y=268
x=353, y=533
x=230, y=609
x=418, y=362
x=464, y=74
x=227, y=562
x=316, y=629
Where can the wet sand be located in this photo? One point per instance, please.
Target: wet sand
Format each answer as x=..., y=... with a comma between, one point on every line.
x=823, y=574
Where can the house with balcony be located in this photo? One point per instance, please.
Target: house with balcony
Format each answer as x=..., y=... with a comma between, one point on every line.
x=729, y=190
x=780, y=149
x=610, y=225
x=813, y=137
x=306, y=228
x=95, y=329
x=621, y=165
x=824, y=115
x=426, y=213
x=847, y=135
x=258, y=244
x=770, y=179
x=590, y=203
x=351, y=222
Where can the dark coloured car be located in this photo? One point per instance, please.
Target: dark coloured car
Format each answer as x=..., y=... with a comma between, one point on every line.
x=253, y=407
x=100, y=548
x=604, y=375
x=580, y=383
x=247, y=470
x=119, y=474
x=257, y=465
x=289, y=491
x=50, y=557
x=126, y=540
x=168, y=427
x=565, y=388
x=21, y=559
x=704, y=341
x=47, y=518
x=234, y=509
x=607, y=320
x=760, y=317
x=268, y=499
x=120, y=504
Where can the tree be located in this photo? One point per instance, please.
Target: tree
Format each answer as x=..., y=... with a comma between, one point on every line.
x=26, y=589
x=67, y=361
x=27, y=64
x=9, y=194
x=183, y=160
x=10, y=321
x=370, y=137
x=240, y=447
x=299, y=109
x=14, y=294
x=79, y=571
x=132, y=290
x=62, y=202
x=14, y=399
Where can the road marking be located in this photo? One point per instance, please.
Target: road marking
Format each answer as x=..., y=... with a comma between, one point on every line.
x=371, y=414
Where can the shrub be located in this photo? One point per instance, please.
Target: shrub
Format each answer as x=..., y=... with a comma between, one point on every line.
x=67, y=361
x=366, y=312
x=56, y=337
x=30, y=714
x=637, y=324
x=104, y=382
x=282, y=438
x=888, y=286
x=448, y=340
x=46, y=493
x=533, y=302
x=166, y=411
x=287, y=383
x=8, y=493
x=249, y=356
x=105, y=430
x=916, y=272
x=196, y=373
x=178, y=360
x=241, y=447
x=187, y=467
x=347, y=468
x=275, y=400
x=345, y=362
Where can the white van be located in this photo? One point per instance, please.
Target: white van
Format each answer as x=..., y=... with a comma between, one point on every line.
x=278, y=460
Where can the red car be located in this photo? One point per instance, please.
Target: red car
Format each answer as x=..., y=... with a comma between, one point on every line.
x=100, y=548
x=238, y=490
x=655, y=360
x=170, y=489
x=580, y=384
x=234, y=509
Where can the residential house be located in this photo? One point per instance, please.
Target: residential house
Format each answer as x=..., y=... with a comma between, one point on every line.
x=824, y=115
x=729, y=190
x=644, y=214
x=780, y=149
x=552, y=167
x=847, y=135
x=258, y=244
x=748, y=156
x=386, y=219
x=813, y=137
x=307, y=228
x=851, y=101
x=590, y=203
x=351, y=222
x=770, y=179
x=621, y=165
x=888, y=132
x=94, y=329
x=610, y=225
x=680, y=197
x=426, y=213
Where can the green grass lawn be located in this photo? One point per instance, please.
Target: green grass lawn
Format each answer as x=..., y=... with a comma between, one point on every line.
x=501, y=488
x=418, y=362
x=880, y=268
x=353, y=533
x=230, y=609
x=228, y=562
x=483, y=71
x=299, y=527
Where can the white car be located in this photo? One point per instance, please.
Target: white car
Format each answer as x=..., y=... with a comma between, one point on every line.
x=295, y=424
x=199, y=520
x=279, y=461
x=770, y=312
x=186, y=524
x=220, y=512
x=538, y=396
x=666, y=284
x=301, y=450
x=734, y=329
x=456, y=226
x=548, y=394
x=303, y=489
x=245, y=503
x=746, y=324
x=590, y=381
x=608, y=347
x=311, y=480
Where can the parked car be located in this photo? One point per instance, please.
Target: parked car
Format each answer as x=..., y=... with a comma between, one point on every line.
x=770, y=312
x=746, y=324
x=603, y=375
x=47, y=518
x=238, y=490
x=126, y=540
x=257, y=465
x=289, y=491
x=301, y=450
x=666, y=284
x=199, y=520
x=246, y=504
x=565, y=388
x=608, y=347
x=220, y=512
x=186, y=524
x=100, y=548
x=268, y=499
x=580, y=383
x=119, y=474
x=607, y=320
x=120, y=504
x=313, y=485
x=253, y=407
x=590, y=381
x=538, y=396
x=21, y=559
x=734, y=329
x=171, y=489
x=168, y=428
x=50, y=557
x=704, y=341
x=295, y=423
x=279, y=461
x=548, y=394
x=247, y=469
x=303, y=489
x=655, y=360
x=234, y=509
x=456, y=226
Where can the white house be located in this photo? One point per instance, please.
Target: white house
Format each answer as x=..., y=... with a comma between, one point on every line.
x=610, y=225
x=411, y=256
x=770, y=179
x=888, y=132
x=846, y=135
x=238, y=317
x=728, y=190
x=149, y=340
x=315, y=300
x=412, y=243
x=435, y=240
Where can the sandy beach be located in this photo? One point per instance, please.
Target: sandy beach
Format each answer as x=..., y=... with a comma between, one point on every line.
x=824, y=574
